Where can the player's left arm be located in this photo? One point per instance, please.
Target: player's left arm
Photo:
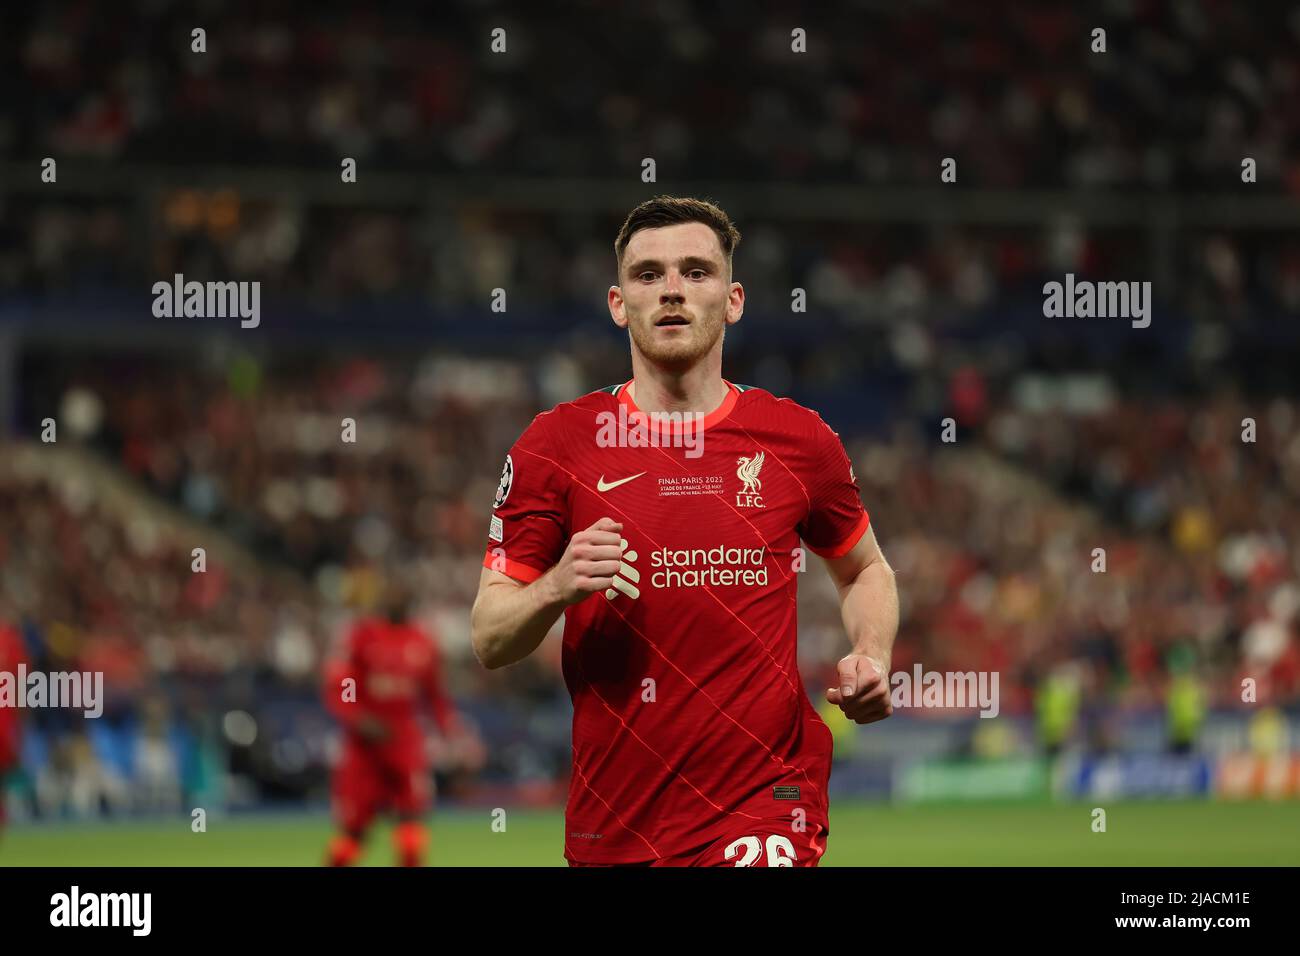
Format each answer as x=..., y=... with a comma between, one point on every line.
x=436, y=696
x=838, y=529
x=869, y=608
x=460, y=743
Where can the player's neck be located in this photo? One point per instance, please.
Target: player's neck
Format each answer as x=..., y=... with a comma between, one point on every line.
x=696, y=390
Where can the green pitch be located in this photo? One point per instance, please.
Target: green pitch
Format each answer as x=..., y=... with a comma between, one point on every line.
x=1137, y=834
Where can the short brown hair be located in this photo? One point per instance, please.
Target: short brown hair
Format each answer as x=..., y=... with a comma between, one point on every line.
x=671, y=210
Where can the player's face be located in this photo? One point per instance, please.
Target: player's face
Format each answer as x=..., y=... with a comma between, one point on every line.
x=676, y=295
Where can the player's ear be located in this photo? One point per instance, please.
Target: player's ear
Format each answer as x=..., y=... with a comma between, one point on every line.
x=735, y=303
x=616, y=310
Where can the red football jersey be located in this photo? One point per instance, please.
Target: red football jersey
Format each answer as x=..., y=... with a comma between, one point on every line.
x=397, y=670
x=690, y=720
x=11, y=655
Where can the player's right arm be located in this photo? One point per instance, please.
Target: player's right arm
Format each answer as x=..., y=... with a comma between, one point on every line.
x=510, y=617
x=530, y=574
x=343, y=698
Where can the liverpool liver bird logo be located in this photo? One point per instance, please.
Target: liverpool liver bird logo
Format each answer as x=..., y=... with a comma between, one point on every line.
x=748, y=473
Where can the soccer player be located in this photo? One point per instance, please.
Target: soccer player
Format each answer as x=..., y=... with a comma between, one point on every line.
x=663, y=516
x=388, y=668
x=11, y=655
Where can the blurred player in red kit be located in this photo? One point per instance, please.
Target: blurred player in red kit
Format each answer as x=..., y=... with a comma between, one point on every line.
x=11, y=655
x=388, y=671
x=662, y=517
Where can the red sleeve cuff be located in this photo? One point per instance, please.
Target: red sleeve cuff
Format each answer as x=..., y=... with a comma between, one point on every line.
x=511, y=569
x=845, y=546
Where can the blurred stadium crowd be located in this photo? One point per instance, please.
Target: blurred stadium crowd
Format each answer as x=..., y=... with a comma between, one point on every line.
x=1070, y=438
x=1013, y=87
x=992, y=540
x=1185, y=91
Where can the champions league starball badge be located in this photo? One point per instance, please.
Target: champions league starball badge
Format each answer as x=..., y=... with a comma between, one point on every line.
x=503, y=487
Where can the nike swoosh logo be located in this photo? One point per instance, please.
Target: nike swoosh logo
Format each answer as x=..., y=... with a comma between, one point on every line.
x=602, y=486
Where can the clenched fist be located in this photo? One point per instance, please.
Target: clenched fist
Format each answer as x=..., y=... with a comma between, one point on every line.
x=863, y=693
x=590, y=562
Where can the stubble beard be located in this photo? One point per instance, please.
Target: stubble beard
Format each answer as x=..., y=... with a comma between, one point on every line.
x=704, y=335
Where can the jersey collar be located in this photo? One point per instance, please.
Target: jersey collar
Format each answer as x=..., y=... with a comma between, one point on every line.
x=711, y=419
